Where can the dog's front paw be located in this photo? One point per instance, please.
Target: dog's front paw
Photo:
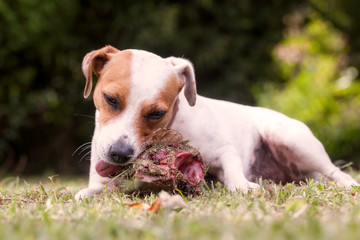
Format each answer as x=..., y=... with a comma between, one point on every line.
x=87, y=192
x=243, y=186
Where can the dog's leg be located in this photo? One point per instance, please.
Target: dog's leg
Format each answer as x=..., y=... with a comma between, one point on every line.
x=96, y=185
x=303, y=150
x=96, y=182
x=232, y=174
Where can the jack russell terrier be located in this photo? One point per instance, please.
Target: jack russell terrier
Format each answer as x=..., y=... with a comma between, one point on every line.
x=139, y=92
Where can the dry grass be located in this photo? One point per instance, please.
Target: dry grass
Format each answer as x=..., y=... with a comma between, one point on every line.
x=46, y=210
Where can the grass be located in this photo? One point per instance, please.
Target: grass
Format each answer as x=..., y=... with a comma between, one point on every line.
x=45, y=209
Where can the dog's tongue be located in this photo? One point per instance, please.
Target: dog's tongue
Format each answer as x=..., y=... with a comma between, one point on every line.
x=105, y=169
x=192, y=168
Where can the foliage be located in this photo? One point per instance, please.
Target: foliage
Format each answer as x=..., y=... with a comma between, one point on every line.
x=43, y=118
x=47, y=210
x=320, y=86
x=344, y=16
x=43, y=42
x=37, y=68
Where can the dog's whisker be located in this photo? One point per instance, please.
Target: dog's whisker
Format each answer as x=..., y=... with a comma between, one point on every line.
x=84, y=149
x=84, y=115
x=85, y=155
x=83, y=145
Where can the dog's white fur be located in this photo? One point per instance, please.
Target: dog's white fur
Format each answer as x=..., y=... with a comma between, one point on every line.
x=227, y=134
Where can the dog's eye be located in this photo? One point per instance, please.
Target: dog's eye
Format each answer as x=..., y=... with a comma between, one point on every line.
x=156, y=115
x=111, y=101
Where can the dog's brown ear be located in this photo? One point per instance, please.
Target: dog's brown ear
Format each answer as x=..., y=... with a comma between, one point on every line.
x=94, y=61
x=185, y=71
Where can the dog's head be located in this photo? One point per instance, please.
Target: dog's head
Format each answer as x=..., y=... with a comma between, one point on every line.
x=135, y=94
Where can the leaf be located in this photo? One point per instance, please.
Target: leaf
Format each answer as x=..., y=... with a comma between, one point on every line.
x=172, y=202
x=138, y=205
x=155, y=207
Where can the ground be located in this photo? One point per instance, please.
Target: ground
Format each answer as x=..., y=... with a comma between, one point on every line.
x=45, y=209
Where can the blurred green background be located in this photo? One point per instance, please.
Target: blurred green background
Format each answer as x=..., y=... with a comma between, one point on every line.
x=298, y=57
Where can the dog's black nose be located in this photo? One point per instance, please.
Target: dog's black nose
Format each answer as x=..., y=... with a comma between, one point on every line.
x=120, y=152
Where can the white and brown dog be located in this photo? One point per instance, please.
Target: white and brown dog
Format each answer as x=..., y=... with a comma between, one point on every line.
x=138, y=92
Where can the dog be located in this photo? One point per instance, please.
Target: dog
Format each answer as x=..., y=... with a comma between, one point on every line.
x=139, y=92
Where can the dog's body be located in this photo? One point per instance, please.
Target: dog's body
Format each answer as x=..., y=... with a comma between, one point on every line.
x=139, y=92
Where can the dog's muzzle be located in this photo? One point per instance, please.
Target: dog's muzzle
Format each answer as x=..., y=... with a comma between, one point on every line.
x=120, y=153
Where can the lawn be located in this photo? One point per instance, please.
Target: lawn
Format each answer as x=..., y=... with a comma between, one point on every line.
x=45, y=209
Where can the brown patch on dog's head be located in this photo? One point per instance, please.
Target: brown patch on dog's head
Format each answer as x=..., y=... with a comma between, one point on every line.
x=164, y=101
x=113, y=69
x=113, y=83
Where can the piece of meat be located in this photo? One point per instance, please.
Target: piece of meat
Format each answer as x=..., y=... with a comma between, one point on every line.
x=168, y=162
x=190, y=166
